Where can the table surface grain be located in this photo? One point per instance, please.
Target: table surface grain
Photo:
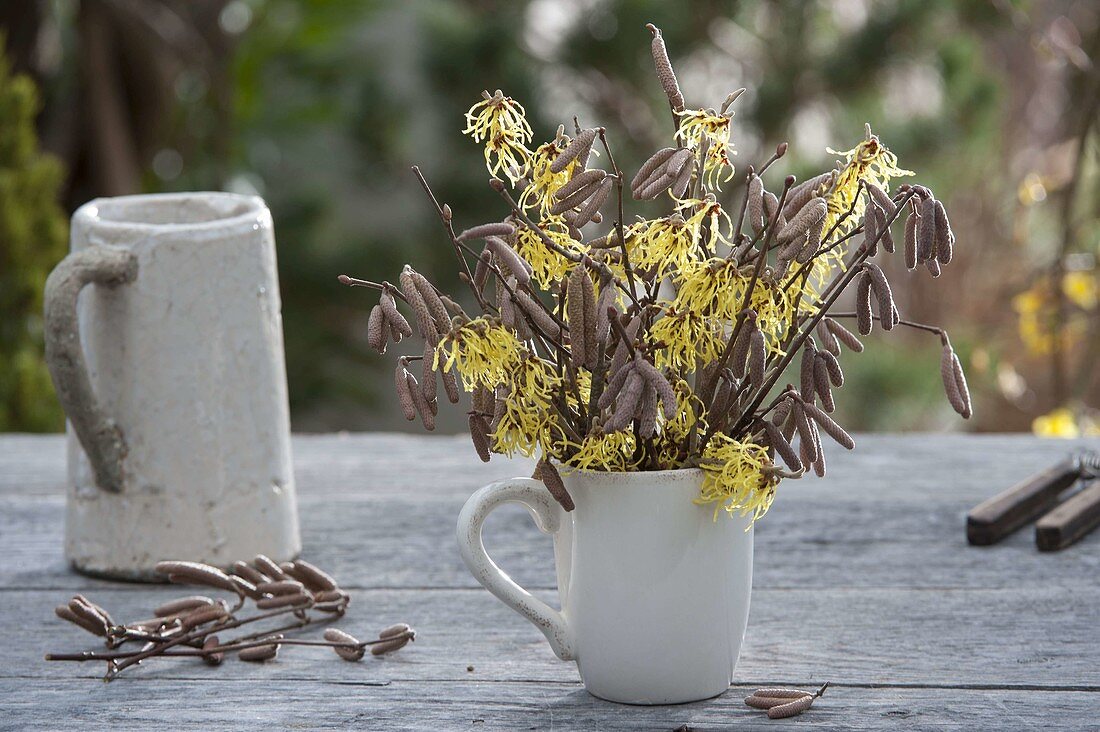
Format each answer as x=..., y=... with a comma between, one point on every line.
x=863, y=579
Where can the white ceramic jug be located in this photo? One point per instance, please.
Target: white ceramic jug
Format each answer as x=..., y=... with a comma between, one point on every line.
x=654, y=591
x=171, y=371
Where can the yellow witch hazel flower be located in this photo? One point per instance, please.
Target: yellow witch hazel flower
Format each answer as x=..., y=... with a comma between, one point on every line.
x=598, y=451
x=528, y=424
x=501, y=122
x=699, y=211
x=705, y=126
x=481, y=351
x=869, y=161
x=715, y=287
x=543, y=183
x=547, y=265
x=774, y=306
x=687, y=339
x=690, y=412
x=662, y=245
x=734, y=477
x=712, y=287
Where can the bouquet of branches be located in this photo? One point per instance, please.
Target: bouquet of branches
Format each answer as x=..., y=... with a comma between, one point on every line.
x=663, y=343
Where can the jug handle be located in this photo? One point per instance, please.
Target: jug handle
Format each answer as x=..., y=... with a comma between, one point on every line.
x=99, y=435
x=533, y=495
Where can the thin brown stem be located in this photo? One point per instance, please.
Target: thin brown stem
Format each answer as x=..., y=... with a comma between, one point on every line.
x=708, y=388
x=780, y=151
x=908, y=323
x=200, y=633
x=233, y=646
x=619, y=224
x=449, y=227
x=380, y=286
x=620, y=331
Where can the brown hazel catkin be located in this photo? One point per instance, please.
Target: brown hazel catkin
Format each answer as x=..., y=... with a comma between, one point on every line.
x=550, y=477
x=665, y=74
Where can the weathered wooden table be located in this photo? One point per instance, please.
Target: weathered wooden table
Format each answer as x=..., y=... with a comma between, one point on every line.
x=863, y=579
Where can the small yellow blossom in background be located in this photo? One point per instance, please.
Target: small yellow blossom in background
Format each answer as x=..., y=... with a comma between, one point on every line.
x=699, y=126
x=1059, y=423
x=734, y=477
x=542, y=183
x=501, y=122
x=529, y=423
x=603, y=452
x=1081, y=288
x=1034, y=328
x=1032, y=189
x=547, y=266
x=482, y=352
x=1036, y=308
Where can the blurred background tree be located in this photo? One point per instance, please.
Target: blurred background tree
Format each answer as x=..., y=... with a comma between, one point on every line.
x=32, y=240
x=321, y=106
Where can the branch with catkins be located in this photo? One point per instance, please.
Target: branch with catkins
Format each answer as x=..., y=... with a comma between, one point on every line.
x=601, y=344
x=189, y=627
x=781, y=703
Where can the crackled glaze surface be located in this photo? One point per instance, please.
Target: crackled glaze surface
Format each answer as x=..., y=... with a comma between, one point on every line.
x=187, y=359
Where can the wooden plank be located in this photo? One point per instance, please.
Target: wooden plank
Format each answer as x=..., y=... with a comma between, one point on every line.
x=1041, y=638
x=372, y=541
x=863, y=578
x=434, y=706
x=883, y=467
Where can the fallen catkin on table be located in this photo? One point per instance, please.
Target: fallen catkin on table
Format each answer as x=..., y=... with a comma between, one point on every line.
x=291, y=596
x=782, y=703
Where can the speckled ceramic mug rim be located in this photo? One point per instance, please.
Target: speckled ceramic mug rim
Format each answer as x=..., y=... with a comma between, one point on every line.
x=635, y=477
x=137, y=214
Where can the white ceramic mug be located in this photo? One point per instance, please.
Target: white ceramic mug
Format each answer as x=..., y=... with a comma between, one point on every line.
x=171, y=371
x=654, y=592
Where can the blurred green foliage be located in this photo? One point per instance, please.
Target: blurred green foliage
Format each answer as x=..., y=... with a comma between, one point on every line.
x=32, y=241
x=335, y=100
x=322, y=106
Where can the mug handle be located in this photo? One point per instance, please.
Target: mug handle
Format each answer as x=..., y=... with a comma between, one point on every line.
x=101, y=438
x=533, y=495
